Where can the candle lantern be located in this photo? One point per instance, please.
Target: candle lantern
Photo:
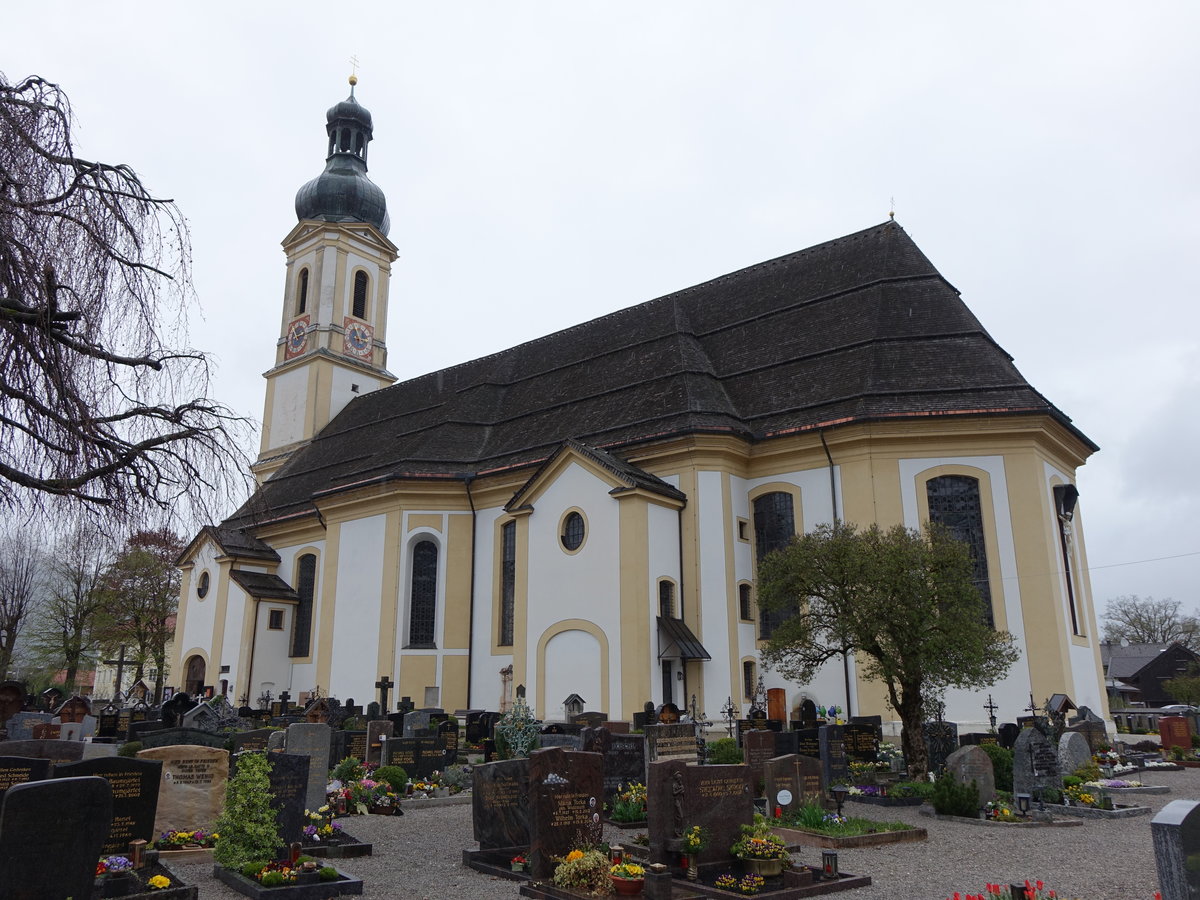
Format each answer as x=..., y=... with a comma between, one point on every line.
x=829, y=864
x=1023, y=802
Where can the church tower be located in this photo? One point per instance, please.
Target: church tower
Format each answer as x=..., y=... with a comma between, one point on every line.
x=333, y=330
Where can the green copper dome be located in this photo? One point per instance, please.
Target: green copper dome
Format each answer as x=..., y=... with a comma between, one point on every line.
x=343, y=192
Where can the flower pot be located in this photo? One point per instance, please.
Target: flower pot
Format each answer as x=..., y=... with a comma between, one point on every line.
x=382, y=810
x=767, y=868
x=627, y=887
x=518, y=867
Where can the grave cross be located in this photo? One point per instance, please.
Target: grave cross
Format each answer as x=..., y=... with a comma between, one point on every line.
x=700, y=722
x=730, y=714
x=1032, y=708
x=991, y=707
x=284, y=697
x=119, y=662
x=384, y=684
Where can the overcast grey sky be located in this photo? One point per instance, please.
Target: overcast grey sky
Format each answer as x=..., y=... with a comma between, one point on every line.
x=548, y=162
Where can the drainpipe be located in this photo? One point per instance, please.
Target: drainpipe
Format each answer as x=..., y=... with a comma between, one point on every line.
x=250, y=664
x=471, y=603
x=836, y=519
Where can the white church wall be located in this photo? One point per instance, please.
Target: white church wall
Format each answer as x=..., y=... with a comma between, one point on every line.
x=201, y=611
x=663, y=559
x=714, y=592
x=286, y=421
x=486, y=686
x=1011, y=693
x=583, y=585
x=301, y=676
x=231, y=643
x=271, y=667
x=573, y=666
x=359, y=588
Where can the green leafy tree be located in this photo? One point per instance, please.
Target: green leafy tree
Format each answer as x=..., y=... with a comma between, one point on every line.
x=902, y=601
x=141, y=596
x=1185, y=688
x=247, y=826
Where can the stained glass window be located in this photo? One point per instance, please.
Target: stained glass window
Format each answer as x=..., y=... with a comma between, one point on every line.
x=306, y=583
x=774, y=527
x=954, y=504
x=422, y=611
x=508, y=581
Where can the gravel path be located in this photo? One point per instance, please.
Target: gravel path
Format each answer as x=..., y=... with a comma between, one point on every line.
x=419, y=855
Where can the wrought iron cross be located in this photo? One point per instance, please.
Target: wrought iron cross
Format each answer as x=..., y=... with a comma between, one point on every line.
x=730, y=713
x=119, y=662
x=284, y=697
x=991, y=707
x=384, y=684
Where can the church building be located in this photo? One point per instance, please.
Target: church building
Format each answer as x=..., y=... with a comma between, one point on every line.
x=582, y=514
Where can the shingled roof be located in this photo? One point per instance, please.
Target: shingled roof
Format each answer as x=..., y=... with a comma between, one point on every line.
x=856, y=329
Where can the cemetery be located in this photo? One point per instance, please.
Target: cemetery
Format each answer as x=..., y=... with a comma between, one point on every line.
x=196, y=799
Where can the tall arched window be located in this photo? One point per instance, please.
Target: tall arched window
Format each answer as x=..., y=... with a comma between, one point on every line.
x=422, y=609
x=302, y=292
x=508, y=581
x=954, y=504
x=774, y=527
x=306, y=583
x=360, y=295
x=666, y=599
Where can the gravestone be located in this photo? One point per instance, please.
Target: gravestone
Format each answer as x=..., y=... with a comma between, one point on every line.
x=674, y=741
x=565, y=799
x=1008, y=734
x=1176, y=835
x=1175, y=731
x=805, y=741
x=311, y=739
x=108, y=723
x=351, y=743
x=978, y=738
x=591, y=719
x=941, y=739
x=447, y=734
x=480, y=725
x=500, y=804
x=182, y=737
x=51, y=834
x=47, y=731
x=378, y=731
x=1035, y=763
x=1093, y=732
x=20, y=725
x=173, y=710
x=420, y=757
x=55, y=751
x=834, y=766
x=793, y=781
x=21, y=769
x=417, y=720
x=757, y=748
x=972, y=764
x=288, y=778
x=861, y=741
x=134, y=784
x=569, y=741
x=252, y=740
x=202, y=718
x=624, y=758
x=1073, y=752
x=191, y=791
x=720, y=799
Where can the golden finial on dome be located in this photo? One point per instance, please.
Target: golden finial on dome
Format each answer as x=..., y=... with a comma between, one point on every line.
x=353, y=73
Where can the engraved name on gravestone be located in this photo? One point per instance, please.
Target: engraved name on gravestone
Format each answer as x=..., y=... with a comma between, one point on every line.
x=1174, y=731
x=565, y=800
x=288, y=778
x=861, y=741
x=1035, y=763
x=20, y=769
x=135, y=785
x=972, y=764
x=835, y=766
x=675, y=741
x=500, y=804
x=717, y=798
x=191, y=791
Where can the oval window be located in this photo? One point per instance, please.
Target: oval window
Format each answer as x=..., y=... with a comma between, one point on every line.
x=202, y=586
x=572, y=533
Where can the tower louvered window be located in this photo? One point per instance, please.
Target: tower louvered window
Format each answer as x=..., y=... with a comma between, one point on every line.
x=508, y=581
x=954, y=504
x=774, y=527
x=423, y=595
x=360, y=295
x=302, y=292
x=306, y=583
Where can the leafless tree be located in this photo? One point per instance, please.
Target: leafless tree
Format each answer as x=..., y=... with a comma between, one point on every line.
x=94, y=406
x=20, y=573
x=1150, y=621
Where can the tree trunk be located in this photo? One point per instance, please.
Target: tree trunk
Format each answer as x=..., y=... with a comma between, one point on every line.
x=912, y=737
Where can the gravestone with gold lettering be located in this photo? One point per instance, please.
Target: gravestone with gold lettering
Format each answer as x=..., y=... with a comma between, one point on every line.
x=566, y=799
x=720, y=799
x=20, y=769
x=191, y=791
x=135, y=785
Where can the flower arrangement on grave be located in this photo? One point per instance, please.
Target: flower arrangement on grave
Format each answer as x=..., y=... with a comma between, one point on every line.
x=758, y=842
x=886, y=754
x=247, y=826
x=278, y=874
x=999, y=811
x=748, y=884
x=695, y=839
x=629, y=804
x=519, y=862
x=456, y=778
x=1110, y=783
x=1082, y=795
x=158, y=882
x=1034, y=890
x=425, y=785
x=628, y=871
x=178, y=840
x=113, y=866
x=584, y=870
x=321, y=824
x=367, y=794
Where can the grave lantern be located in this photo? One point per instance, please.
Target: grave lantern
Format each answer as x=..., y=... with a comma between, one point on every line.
x=829, y=863
x=1023, y=802
x=839, y=792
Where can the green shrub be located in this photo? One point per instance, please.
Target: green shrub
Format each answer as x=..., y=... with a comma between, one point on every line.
x=724, y=752
x=1051, y=795
x=1089, y=771
x=247, y=823
x=393, y=775
x=271, y=879
x=809, y=816
x=130, y=748
x=952, y=798
x=349, y=769
x=251, y=869
x=922, y=789
x=1072, y=781
x=327, y=873
x=1002, y=765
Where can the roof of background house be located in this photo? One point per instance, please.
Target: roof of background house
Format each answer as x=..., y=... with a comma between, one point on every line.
x=856, y=329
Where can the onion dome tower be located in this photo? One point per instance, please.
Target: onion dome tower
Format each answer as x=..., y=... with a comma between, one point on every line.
x=332, y=332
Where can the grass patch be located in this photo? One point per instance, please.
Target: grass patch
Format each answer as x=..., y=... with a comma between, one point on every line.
x=815, y=819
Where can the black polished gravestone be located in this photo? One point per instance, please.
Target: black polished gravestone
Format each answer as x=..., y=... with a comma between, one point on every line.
x=977, y=738
x=420, y=757
x=55, y=751
x=803, y=741
x=134, y=784
x=941, y=739
x=624, y=758
x=51, y=834
x=252, y=740
x=717, y=798
x=288, y=778
x=566, y=799
x=834, y=767
x=21, y=769
x=862, y=741
x=447, y=735
x=1008, y=734
x=500, y=804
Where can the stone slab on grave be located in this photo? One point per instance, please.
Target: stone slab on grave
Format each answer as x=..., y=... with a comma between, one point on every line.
x=183, y=737
x=674, y=741
x=288, y=778
x=793, y=781
x=134, y=784
x=252, y=740
x=624, y=758
x=191, y=791
x=20, y=724
x=51, y=834
x=1176, y=835
x=311, y=739
x=53, y=750
x=500, y=804
x=565, y=803
x=680, y=795
x=835, y=766
x=379, y=731
x=1035, y=763
x=20, y=770
x=1073, y=752
x=972, y=764
x=757, y=748
x=1174, y=731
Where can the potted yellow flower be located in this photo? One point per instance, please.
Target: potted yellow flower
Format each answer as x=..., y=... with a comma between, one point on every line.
x=628, y=878
x=760, y=851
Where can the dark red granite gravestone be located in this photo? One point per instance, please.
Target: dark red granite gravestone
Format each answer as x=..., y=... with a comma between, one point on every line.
x=720, y=799
x=1175, y=732
x=566, y=799
x=757, y=748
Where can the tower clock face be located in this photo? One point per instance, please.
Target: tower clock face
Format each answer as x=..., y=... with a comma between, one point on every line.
x=359, y=339
x=297, y=337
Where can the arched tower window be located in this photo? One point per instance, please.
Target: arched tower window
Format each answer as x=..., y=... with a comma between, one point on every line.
x=508, y=581
x=360, y=295
x=422, y=609
x=954, y=504
x=302, y=292
x=666, y=599
x=774, y=527
x=306, y=583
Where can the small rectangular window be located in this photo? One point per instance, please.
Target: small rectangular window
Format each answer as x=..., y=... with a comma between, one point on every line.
x=745, y=611
x=743, y=530
x=666, y=599
x=275, y=619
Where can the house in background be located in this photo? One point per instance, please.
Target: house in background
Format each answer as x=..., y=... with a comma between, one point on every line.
x=1134, y=673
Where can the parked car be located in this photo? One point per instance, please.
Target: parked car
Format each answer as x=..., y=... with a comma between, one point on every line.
x=1178, y=709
